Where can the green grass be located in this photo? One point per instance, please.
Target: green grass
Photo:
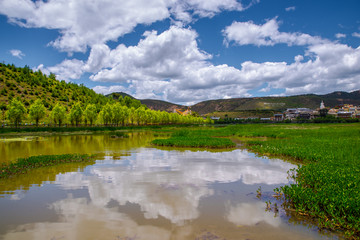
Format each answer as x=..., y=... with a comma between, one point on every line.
x=327, y=183
x=23, y=165
x=194, y=139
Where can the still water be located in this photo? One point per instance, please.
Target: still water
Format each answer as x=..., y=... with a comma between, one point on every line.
x=135, y=191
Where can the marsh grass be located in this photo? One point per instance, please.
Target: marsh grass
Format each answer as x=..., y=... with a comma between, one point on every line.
x=194, y=139
x=327, y=181
x=23, y=165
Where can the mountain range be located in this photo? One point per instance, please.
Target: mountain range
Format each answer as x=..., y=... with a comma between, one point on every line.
x=275, y=104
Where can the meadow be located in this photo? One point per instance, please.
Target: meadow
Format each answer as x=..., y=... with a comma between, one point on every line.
x=327, y=181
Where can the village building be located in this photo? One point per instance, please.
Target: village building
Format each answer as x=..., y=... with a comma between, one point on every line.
x=344, y=114
x=214, y=118
x=304, y=113
x=278, y=117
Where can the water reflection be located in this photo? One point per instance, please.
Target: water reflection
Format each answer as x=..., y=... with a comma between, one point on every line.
x=170, y=183
x=250, y=214
x=12, y=148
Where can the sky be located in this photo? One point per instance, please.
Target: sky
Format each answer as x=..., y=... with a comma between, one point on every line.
x=187, y=51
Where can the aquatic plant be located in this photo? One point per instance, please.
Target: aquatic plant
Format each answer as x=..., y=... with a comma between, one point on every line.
x=119, y=135
x=258, y=192
x=195, y=139
x=22, y=165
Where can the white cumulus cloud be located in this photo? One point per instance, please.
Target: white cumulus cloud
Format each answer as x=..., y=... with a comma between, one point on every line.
x=355, y=34
x=107, y=90
x=169, y=66
x=17, y=53
x=292, y=8
x=83, y=23
x=268, y=34
x=340, y=35
x=68, y=69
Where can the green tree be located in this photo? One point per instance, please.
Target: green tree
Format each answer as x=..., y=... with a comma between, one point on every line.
x=140, y=115
x=58, y=114
x=116, y=113
x=106, y=114
x=323, y=112
x=90, y=113
x=37, y=111
x=16, y=112
x=127, y=101
x=131, y=115
x=76, y=114
x=3, y=112
x=124, y=114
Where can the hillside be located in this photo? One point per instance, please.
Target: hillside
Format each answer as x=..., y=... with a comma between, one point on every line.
x=161, y=105
x=277, y=103
x=33, y=98
x=117, y=95
x=265, y=106
x=150, y=103
x=27, y=85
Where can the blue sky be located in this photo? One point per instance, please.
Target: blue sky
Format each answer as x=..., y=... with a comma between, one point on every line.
x=187, y=51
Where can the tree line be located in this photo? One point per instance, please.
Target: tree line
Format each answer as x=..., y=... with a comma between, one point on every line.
x=111, y=114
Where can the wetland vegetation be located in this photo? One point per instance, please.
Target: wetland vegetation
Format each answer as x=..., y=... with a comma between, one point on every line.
x=194, y=138
x=23, y=165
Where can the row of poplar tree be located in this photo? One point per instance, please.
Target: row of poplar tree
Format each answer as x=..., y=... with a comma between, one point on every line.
x=111, y=114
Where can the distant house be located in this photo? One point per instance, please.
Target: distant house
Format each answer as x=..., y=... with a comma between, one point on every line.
x=215, y=118
x=343, y=114
x=278, y=117
x=292, y=113
x=305, y=115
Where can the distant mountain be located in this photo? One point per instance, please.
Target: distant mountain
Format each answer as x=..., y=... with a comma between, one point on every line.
x=264, y=104
x=277, y=103
x=150, y=103
x=117, y=95
x=161, y=105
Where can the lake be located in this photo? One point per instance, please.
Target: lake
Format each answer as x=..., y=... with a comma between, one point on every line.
x=137, y=191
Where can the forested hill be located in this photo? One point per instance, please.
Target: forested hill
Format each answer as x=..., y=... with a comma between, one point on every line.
x=33, y=98
x=27, y=85
x=277, y=103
